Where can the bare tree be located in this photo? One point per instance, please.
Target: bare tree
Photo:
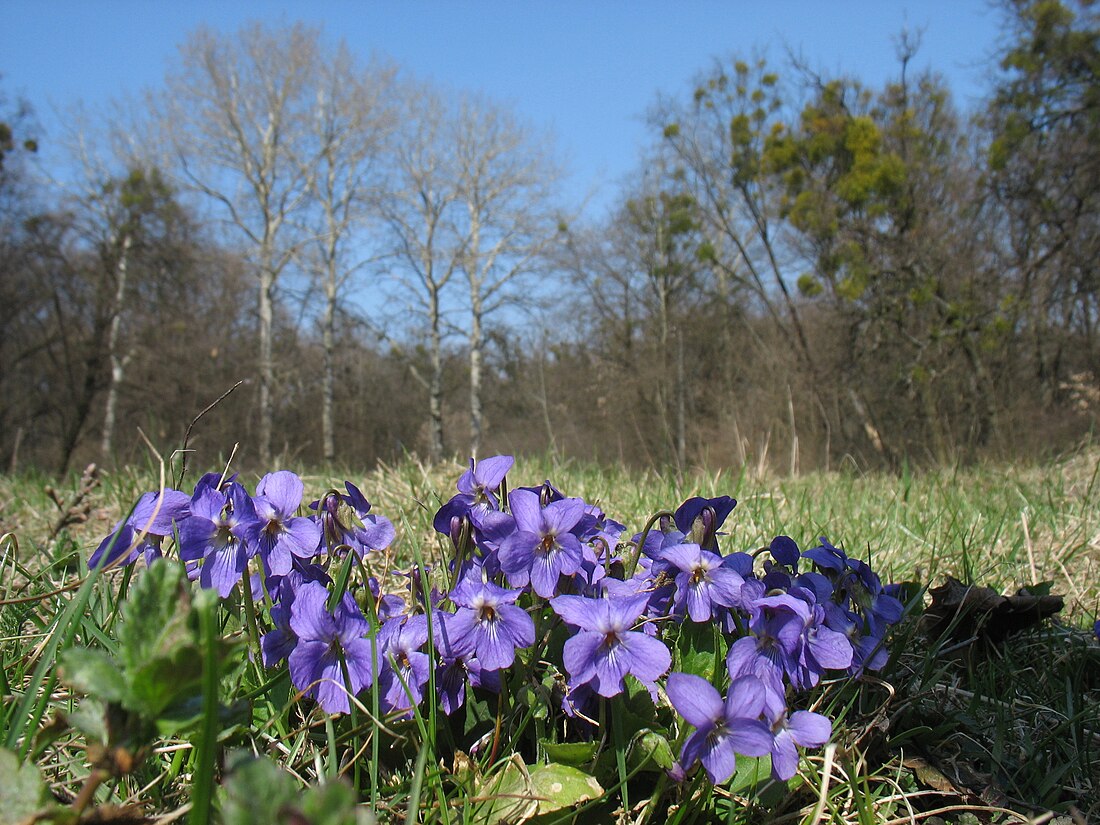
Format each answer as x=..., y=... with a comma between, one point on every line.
x=417, y=211
x=117, y=204
x=237, y=113
x=719, y=140
x=644, y=283
x=506, y=184
x=353, y=118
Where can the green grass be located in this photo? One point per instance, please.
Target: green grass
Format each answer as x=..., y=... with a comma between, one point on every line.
x=959, y=730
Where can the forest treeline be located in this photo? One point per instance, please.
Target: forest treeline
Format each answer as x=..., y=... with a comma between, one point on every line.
x=803, y=269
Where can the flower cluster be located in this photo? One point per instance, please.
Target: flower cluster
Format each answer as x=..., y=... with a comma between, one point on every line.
x=221, y=528
x=537, y=583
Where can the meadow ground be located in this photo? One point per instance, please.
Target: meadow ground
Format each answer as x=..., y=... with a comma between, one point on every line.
x=967, y=724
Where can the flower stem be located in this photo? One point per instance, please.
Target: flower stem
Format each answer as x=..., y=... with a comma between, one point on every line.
x=253, y=628
x=642, y=539
x=619, y=739
x=88, y=789
x=341, y=579
x=207, y=745
x=354, y=713
x=496, y=729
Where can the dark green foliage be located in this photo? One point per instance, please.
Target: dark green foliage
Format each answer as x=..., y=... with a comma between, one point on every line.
x=700, y=649
x=22, y=791
x=153, y=683
x=257, y=790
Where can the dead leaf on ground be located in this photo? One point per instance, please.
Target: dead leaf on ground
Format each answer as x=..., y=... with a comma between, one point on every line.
x=959, y=611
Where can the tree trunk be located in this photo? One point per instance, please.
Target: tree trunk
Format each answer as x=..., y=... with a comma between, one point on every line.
x=870, y=429
x=266, y=365
x=435, y=389
x=82, y=406
x=476, y=344
x=681, y=404
x=328, y=377
x=328, y=340
x=118, y=362
x=473, y=276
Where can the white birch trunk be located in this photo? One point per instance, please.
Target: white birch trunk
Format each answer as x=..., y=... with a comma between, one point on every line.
x=476, y=344
x=267, y=364
x=473, y=274
x=435, y=390
x=118, y=361
x=328, y=377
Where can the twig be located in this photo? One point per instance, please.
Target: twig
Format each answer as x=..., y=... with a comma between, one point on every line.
x=947, y=809
x=187, y=435
x=173, y=816
x=77, y=509
x=38, y=597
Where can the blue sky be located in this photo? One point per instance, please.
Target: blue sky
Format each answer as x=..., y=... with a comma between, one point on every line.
x=585, y=70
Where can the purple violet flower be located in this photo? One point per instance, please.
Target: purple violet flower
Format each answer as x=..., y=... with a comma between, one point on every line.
x=155, y=515
x=278, y=535
x=823, y=649
x=803, y=728
x=785, y=550
x=491, y=529
x=346, y=520
x=406, y=669
x=868, y=651
x=723, y=729
x=277, y=644
x=865, y=589
x=488, y=624
x=324, y=639
x=774, y=645
x=542, y=548
x=826, y=556
x=605, y=649
x=703, y=582
x=483, y=479
x=477, y=490
x=546, y=492
x=455, y=668
x=699, y=519
x=596, y=528
x=216, y=533
x=787, y=637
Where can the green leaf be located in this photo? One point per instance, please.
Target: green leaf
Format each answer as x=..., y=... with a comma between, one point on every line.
x=90, y=718
x=159, y=649
x=809, y=286
x=637, y=709
x=509, y=794
x=157, y=613
x=750, y=774
x=699, y=650
x=94, y=673
x=185, y=717
x=527, y=697
x=649, y=751
x=562, y=786
x=330, y=804
x=22, y=791
x=256, y=790
x=165, y=680
x=1041, y=589
x=573, y=754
